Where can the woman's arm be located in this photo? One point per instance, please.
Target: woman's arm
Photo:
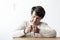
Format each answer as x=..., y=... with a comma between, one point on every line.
x=19, y=32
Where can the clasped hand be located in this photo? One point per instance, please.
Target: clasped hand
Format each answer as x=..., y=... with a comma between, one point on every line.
x=32, y=28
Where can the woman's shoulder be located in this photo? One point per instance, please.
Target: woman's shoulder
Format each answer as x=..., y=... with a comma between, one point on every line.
x=26, y=22
x=44, y=23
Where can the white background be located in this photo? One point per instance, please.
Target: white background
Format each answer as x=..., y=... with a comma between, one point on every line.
x=14, y=12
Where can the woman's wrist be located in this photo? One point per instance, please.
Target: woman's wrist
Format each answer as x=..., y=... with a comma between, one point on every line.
x=25, y=31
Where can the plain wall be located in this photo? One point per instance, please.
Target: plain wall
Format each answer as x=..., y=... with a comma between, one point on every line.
x=14, y=12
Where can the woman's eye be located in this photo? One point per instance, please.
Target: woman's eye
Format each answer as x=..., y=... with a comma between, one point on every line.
x=33, y=16
x=37, y=18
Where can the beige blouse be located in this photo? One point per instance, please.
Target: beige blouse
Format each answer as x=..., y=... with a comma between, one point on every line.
x=45, y=30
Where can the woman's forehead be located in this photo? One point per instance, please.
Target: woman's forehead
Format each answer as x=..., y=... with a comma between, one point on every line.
x=34, y=14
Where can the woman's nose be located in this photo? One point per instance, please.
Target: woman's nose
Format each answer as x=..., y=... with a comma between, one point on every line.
x=35, y=19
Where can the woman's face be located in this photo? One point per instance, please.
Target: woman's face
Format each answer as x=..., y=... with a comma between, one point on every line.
x=35, y=19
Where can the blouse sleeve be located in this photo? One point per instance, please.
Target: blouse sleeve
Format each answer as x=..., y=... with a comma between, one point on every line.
x=19, y=32
x=46, y=31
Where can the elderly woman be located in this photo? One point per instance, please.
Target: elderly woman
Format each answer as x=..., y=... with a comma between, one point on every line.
x=34, y=27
